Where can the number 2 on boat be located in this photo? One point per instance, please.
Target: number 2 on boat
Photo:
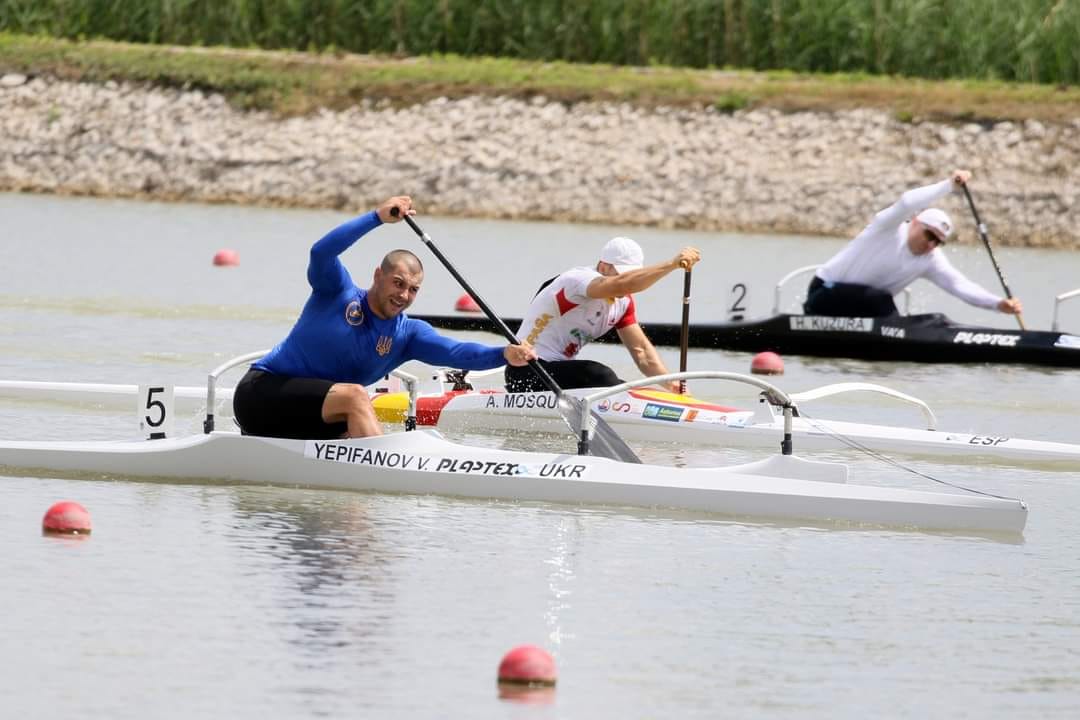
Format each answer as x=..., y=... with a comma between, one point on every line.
x=737, y=311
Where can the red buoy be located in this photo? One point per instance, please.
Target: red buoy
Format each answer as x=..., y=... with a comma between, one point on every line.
x=527, y=665
x=66, y=518
x=767, y=363
x=465, y=303
x=226, y=258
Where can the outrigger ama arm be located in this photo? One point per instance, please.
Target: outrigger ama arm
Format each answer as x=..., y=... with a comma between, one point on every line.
x=211, y=384
x=1057, y=303
x=412, y=385
x=840, y=388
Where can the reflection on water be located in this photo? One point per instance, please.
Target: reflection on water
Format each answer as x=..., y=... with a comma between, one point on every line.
x=561, y=557
x=339, y=579
x=527, y=694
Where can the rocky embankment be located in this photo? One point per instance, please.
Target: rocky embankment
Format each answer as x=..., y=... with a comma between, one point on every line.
x=758, y=170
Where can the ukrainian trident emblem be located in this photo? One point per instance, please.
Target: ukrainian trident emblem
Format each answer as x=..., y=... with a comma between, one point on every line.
x=382, y=346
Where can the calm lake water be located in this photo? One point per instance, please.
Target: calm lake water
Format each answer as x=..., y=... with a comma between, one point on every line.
x=205, y=600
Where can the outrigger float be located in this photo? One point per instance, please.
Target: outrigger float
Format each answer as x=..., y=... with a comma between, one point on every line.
x=781, y=488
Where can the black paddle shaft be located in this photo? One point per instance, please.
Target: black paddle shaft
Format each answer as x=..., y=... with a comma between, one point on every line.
x=545, y=376
x=684, y=335
x=986, y=241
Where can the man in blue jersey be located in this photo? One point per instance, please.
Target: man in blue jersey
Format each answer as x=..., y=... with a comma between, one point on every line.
x=311, y=385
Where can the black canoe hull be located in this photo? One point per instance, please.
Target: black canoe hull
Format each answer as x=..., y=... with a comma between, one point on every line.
x=927, y=338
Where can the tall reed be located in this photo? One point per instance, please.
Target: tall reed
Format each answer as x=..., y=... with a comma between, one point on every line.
x=1026, y=40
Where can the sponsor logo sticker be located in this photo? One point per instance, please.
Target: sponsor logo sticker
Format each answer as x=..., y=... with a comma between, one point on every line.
x=662, y=412
x=831, y=324
x=966, y=337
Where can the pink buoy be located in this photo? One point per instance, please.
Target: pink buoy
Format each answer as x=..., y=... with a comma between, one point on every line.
x=66, y=518
x=226, y=258
x=767, y=363
x=527, y=665
x=465, y=303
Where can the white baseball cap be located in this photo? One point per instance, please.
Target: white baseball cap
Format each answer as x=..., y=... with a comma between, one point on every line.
x=938, y=222
x=623, y=253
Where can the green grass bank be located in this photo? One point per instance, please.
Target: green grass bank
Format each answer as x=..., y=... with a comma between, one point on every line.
x=1017, y=40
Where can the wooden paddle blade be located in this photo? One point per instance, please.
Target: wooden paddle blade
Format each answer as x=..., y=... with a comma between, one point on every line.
x=603, y=440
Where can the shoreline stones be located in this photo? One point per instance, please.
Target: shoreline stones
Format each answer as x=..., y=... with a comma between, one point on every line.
x=750, y=171
x=11, y=80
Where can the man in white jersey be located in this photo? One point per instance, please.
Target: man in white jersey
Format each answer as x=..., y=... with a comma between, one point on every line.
x=583, y=304
x=899, y=246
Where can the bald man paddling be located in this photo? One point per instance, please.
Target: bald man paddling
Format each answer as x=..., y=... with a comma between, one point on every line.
x=311, y=385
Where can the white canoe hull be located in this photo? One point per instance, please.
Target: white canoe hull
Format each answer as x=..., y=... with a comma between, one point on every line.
x=685, y=424
x=780, y=488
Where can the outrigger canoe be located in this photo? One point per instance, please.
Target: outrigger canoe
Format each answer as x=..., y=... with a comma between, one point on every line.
x=656, y=416
x=780, y=488
x=639, y=414
x=924, y=338
x=928, y=338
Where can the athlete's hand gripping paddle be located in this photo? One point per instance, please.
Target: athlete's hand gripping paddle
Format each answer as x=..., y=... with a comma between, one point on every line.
x=604, y=441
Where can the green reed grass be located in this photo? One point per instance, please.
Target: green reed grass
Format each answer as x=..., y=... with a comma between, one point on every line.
x=1022, y=40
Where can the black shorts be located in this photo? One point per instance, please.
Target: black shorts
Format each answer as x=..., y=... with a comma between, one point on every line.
x=567, y=374
x=847, y=300
x=284, y=407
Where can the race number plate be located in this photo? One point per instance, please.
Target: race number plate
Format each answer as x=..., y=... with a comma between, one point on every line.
x=155, y=411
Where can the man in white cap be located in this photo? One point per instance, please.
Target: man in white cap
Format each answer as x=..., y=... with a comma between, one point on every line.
x=899, y=246
x=583, y=304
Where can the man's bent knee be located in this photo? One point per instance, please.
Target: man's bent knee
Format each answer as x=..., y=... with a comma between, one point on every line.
x=345, y=399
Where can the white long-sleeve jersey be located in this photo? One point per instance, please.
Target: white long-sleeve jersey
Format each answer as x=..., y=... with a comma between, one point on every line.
x=879, y=255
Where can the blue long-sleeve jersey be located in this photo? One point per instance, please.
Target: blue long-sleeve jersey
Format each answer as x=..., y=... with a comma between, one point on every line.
x=338, y=338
